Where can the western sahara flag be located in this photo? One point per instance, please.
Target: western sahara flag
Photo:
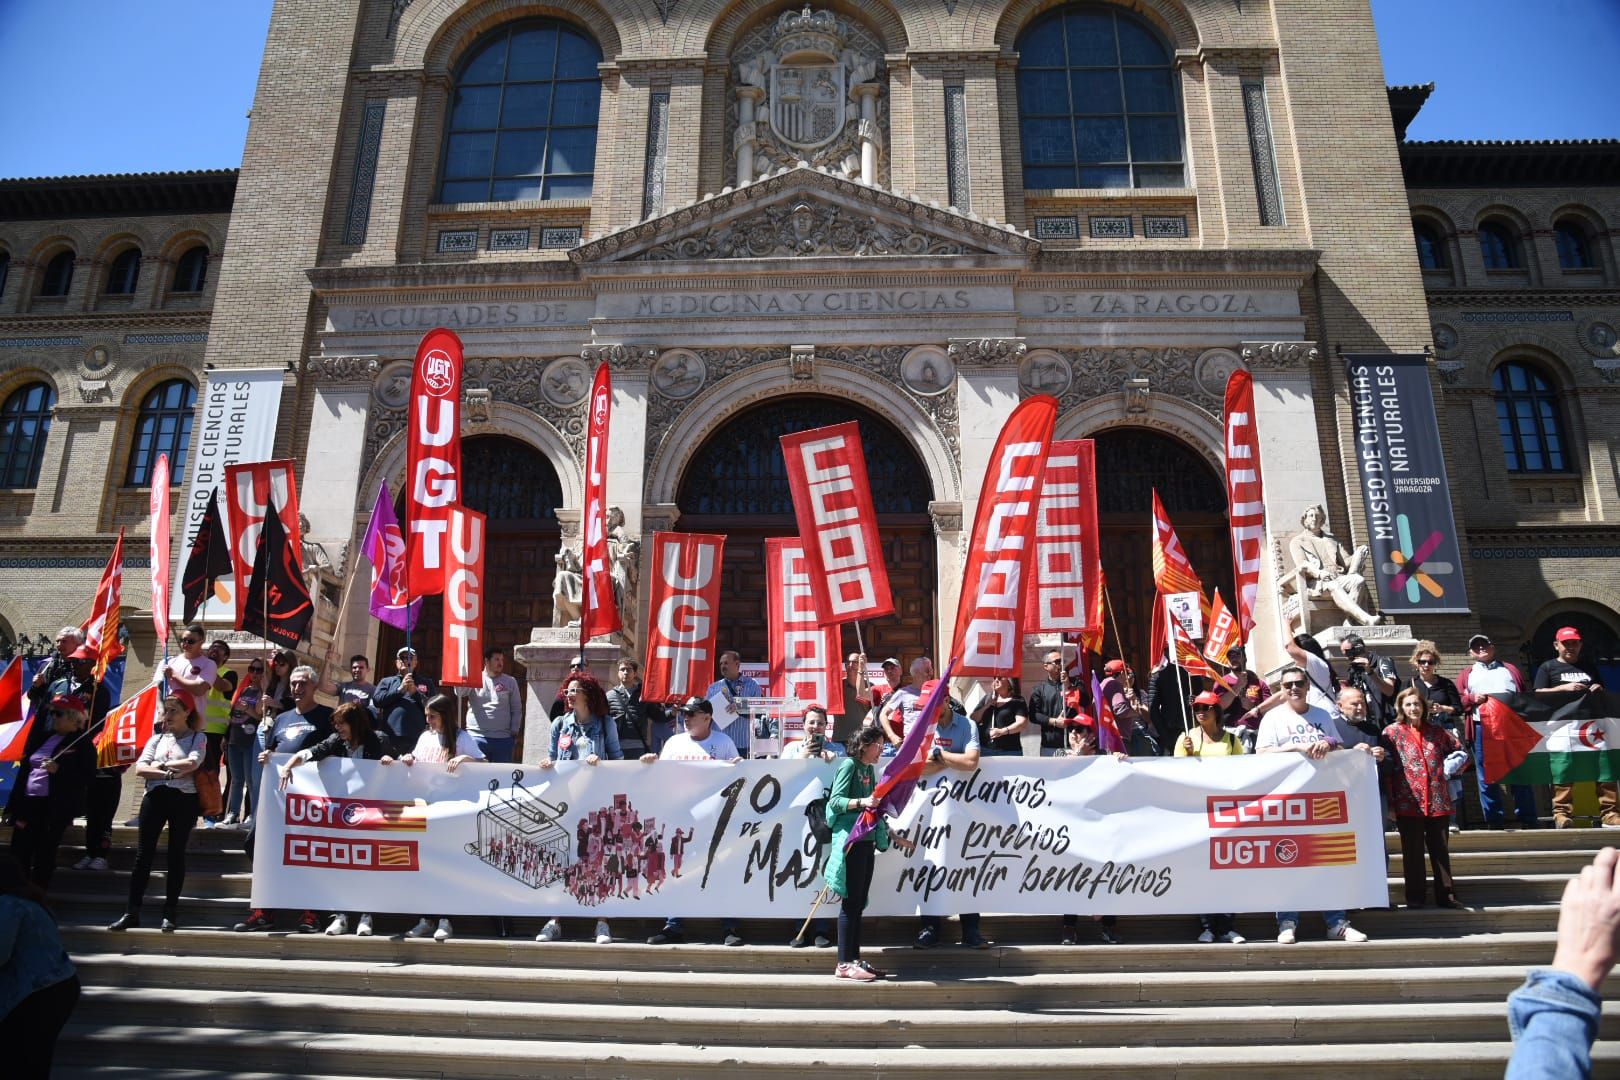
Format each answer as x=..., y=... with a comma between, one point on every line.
x=1536, y=739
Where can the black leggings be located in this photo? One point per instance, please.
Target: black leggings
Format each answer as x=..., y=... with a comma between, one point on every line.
x=29, y=1031
x=858, y=865
x=101, y=805
x=163, y=806
x=36, y=836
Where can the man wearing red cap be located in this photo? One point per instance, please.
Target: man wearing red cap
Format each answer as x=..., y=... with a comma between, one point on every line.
x=1555, y=679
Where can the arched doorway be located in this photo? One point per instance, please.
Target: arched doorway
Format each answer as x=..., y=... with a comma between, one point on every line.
x=1600, y=646
x=1131, y=463
x=516, y=487
x=736, y=485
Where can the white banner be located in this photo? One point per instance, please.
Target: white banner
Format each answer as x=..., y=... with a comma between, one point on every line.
x=240, y=407
x=1018, y=835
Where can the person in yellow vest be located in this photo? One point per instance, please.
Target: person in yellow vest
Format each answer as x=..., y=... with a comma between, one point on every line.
x=216, y=725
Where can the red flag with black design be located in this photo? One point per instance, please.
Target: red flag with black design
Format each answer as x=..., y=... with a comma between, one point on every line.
x=278, y=604
x=208, y=561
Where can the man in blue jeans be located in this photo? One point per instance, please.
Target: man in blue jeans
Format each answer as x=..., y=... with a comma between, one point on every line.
x=956, y=746
x=1488, y=675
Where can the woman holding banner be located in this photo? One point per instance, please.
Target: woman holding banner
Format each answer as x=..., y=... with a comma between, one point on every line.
x=57, y=764
x=1208, y=738
x=1416, y=747
x=585, y=733
x=849, y=870
x=168, y=764
x=447, y=743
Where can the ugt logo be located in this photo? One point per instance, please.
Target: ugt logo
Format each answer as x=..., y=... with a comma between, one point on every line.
x=1410, y=569
x=438, y=373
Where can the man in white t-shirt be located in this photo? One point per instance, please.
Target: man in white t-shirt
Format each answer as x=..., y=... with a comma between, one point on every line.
x=816, y=742
x=701, y=741
x=1302, y=728
x=192, y=674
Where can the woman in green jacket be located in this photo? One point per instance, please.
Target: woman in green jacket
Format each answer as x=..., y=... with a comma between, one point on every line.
x=849, y=871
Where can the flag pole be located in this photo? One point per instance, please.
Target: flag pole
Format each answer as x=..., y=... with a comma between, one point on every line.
x=342, y=612
x=1108, y=600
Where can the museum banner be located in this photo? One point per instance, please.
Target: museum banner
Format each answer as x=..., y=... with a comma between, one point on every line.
x=1063, y=591
x=250, y=489
x=1245, y=496
x=239, y=411
x=1416, y=558
x=989, y=633
x=832, y=500
x=1017, y=835
x=806, y=661
x=682, y=611
x=432, y=459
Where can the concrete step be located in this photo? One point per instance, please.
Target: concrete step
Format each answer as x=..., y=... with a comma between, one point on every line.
x=1521, y=949
x=761, y=989
x=425, y=1055
x=1069, y=1016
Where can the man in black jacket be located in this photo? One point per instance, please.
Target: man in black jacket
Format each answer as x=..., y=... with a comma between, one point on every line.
x=1046, y=704
x=400, y=701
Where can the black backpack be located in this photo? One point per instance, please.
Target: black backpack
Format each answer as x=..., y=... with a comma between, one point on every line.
x=816, y=814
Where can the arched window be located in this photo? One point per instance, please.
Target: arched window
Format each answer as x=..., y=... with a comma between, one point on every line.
x=58, y=276
x=523, y=122
x=1098, y=102
x=124, y=273
x=1498, y=246
x=5, y=270
x=1574, y=251
x=163, y=427
x=1528, y=419
x=25, y=420
x=1430, y=248
x=191, y=272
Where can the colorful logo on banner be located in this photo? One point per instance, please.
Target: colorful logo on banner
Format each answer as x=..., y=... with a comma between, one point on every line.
x=278, y=603
x=832, y=500
x=990, y=616
x=366, y=815
x=250, y=489
x=1276, y=811
x=1245, y=495
x=1416, y=557
x=1223, y=632
x=126, y=729
x=1064, y=587
x=464, y=599
x=384, y=546
x=1282, y=852
x=684, y=606
x=805, y=661
x=432, y=458
x=356, y=853
x=599, y=614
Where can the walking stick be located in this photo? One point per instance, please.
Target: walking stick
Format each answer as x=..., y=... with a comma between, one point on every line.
x=821, y=898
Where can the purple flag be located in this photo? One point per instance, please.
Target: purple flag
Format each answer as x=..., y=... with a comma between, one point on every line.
x=900, y=775
x=384, y=545
x=1109, y=740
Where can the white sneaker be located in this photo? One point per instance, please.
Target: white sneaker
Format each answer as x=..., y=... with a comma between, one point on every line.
x=423, y=928
x=1206, y=938
x=604, y=936
x=82, y=864
x=338, y=925
x=98, y=863
x=443, y=932
x=246, y=823
x=1287, y=933
x=364, y=929
x=549, y=932
x=1232, y=937
x=1345, y=932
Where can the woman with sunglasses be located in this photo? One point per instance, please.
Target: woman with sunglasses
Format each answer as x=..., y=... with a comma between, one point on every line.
x=1209, y=739
x=1445, y=709
x=1416, y=748
x=241, y=745
x=168, y=764
x=57, y=765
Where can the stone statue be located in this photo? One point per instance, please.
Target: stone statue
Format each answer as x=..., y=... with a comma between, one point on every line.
x=568, y=589
x=314, y=556
x=1324, y=568
x=624, y=566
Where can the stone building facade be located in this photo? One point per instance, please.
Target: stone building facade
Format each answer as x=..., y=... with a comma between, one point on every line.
x=766, y=216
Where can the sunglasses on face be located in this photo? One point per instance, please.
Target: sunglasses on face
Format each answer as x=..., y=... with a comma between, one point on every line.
x=1293, y=686
x=256, y=669
x=1427, y=661
x=191, y=641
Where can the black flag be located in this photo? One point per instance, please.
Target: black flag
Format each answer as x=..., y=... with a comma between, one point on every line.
x=276, y=590
x=209, y=559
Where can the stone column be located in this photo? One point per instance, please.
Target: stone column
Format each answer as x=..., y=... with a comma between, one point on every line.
x=337, y=439
x=947, y=518
x=747, y=98
x=1290, y=468
x=867, y=95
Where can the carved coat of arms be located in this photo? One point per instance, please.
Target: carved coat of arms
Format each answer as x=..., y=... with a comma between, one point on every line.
x=807, y=103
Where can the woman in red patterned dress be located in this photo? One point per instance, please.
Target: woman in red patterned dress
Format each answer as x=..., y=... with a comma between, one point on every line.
x=1415, y=777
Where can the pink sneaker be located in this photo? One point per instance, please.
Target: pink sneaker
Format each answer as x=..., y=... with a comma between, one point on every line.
x=853, y=971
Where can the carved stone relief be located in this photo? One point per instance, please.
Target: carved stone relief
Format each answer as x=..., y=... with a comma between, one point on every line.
x=1215, y=367
x=1279, y=355
x=352, y=369
x=1045, y=372
x=927, y=371
x=805, y=227
x=679, y=373
x=986, y=352
x=565, y=382
x=620, y=357
x=1446, y=339
x=1139, y=374
x=1598, y=336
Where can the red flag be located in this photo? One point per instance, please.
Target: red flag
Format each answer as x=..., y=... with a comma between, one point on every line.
x=899, y=780
x=464, y=599
x=100, y=630
x=832, y=500
x=127, y=728
x=250, y=489
x=599, y=613
x=14, y=718
x=1187, y=654
x=805, y=662
x=1223, y=632
x=278, y=606
x=1172, y=570
x=432, y=458
x=1064, y=587
x=159, y=547
x=1092, y=636
x=1245, y=498
x=990, y=617
x=685, y=599
x=1507, y=740
x=1109, y=740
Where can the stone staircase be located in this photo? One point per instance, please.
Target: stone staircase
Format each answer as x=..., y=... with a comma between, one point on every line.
x=1424, y=998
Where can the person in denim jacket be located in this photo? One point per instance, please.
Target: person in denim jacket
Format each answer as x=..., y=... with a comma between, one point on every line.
x=584, y=732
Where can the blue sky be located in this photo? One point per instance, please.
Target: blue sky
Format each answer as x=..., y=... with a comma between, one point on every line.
x=95, y=86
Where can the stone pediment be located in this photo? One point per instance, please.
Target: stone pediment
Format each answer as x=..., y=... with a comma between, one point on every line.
x=804, y=213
